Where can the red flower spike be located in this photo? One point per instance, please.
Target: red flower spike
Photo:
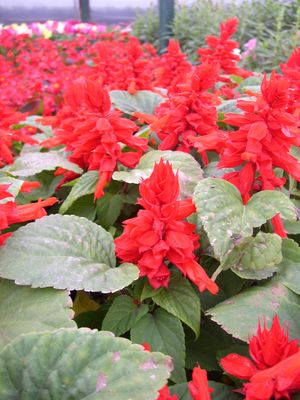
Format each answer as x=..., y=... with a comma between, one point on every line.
x=238, y=366
x=269, y=346
x=278, y=382
x=274, y=372
x=164, y=394
x=158, y=234
x=198, y=387
x=94, y=133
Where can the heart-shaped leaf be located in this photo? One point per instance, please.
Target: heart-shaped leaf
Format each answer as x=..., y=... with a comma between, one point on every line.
x=74, y=364
x=64, y=252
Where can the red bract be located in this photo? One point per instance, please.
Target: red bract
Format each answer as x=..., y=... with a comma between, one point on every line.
x=189, y=113
x=198, y=387
x=224, y=51
x=265, y=135
x=291, y=70
x=275, y=369
x=158, y=235
x=11, y=213
x=171, y=64
x=95, y=134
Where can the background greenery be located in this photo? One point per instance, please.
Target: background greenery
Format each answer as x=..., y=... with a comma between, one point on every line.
x=275, y=24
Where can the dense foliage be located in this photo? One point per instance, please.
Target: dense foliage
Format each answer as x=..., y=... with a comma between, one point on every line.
x=268, y=29
x=162, y=260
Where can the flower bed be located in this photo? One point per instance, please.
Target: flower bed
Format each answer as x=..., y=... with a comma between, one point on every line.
x=162, y=257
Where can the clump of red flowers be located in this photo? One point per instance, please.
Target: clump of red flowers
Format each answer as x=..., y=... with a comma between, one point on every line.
x=12, y=213
x=159, y=236
x=224, y=51
x=190, y=112
x=95, y=134
x=274, y=368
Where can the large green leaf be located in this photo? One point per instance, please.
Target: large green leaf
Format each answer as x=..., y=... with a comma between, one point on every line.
x=123, y=314
x=86, y=184
x=73, y=364
x=240, y=314
x=144, y=101
x=189, y=171
x=65, y=252
x=163, y=332
x=32, y=163
x=227, y=221
x=24, y=310
x=181, y=300
x=289, y=268
x=256, y=257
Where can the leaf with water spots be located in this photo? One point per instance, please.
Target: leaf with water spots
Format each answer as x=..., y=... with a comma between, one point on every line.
x=64, y=252
x=240, y=314
x=79, y=364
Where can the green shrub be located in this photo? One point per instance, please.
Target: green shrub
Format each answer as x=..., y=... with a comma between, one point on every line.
x=275, y=25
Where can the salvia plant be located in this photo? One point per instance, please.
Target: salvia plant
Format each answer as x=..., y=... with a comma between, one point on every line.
x=149, y=216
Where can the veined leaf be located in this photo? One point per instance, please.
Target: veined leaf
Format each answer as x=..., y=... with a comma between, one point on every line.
x=64, y=252
x=79, y=364
x=189, y=171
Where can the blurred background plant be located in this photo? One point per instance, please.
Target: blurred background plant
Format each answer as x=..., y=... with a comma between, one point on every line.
x=268, y=29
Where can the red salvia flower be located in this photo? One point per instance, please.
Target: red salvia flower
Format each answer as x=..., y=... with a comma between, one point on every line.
x=95, y=134
x=159, y=235
x=188, y=113
x=11, y=213
x=170, y=65
x=275, y=369
x=224, y=51
x=198, y=387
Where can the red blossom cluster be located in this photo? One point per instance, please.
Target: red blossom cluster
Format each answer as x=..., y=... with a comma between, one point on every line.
x=12, y=213
x=224, y=51
x=274, y=368
x=189, y=112
x=159, y=236
x=95, y=133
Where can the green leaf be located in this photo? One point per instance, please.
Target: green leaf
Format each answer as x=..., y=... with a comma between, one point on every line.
x=123, y=314
x=223, y=392
x=163, y=332
x=85, y=207
x=189, y=171
x=181, y=300
x=181, y=391
x=229, y=106
x=143, y=101
x=74, y=364
x=227, y=221
x=109, y=208
x=24, y=310
x=65, y=252
x=289, y=269
x=48, y=183
x=256, y=257
x=204, y=350
x=32, y=163
x=86, y=184
x=240, y=314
